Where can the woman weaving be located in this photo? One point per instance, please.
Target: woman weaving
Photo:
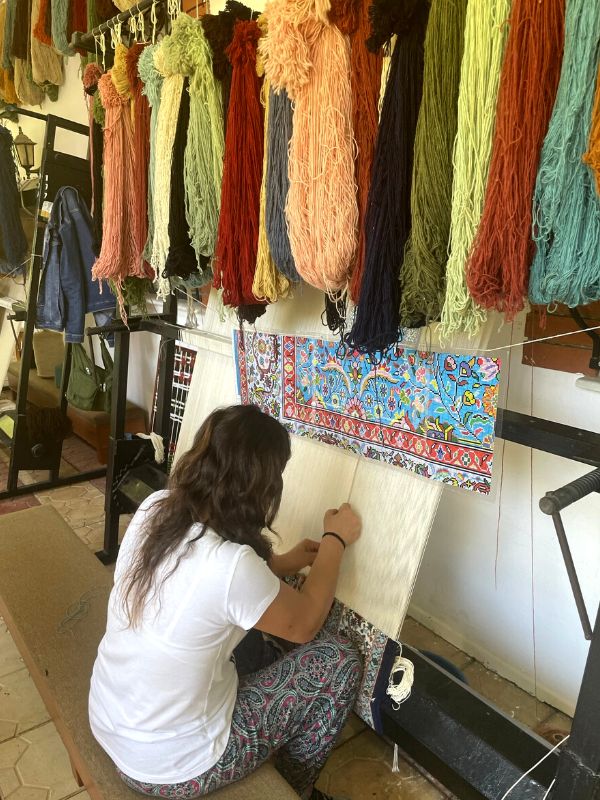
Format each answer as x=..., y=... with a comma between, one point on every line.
x=180, y=707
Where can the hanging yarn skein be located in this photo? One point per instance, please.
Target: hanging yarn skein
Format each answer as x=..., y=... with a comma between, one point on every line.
x=237, y=239
x=592, y=157
x=218, y=29
x=203, y=163
x=423, y=273
x=91, y=75
x=366, y=83
x=60, y=25
x=498, y=268
x=280, y=125
x=46, y=63
x=43, y=24
x=10, y=7
x=311, y=60
x=174, y=61
x=566, y=207
x=7, y=86
x=13, y=243
x=269, y=284
x=152, y=84
x=181, y=260
x=485, y=37
x=377, y=320
x=118, y=257
x=140, y=112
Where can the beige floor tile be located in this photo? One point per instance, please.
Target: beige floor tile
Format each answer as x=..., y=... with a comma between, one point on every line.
x=82, y=796
x=35, y=766
x=10, y=658
x=68, y=492
x=362, y=770
x=421, y=638
x=21, y=707
x=353, y=727
x=506, y=695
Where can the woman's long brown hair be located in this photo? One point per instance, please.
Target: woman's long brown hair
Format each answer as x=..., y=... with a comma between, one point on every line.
x=229, y=481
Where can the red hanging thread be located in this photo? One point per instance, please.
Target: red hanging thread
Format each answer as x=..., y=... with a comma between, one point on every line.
x=78, y=20
x=141, y=152
x=498, y=267
x=366, y=86
x=237, y=238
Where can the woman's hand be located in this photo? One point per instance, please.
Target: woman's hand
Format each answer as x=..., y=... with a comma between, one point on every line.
x=300, y=556
x=344, y=521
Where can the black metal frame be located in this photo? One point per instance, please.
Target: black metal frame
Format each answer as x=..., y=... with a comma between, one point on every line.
x=55, y=166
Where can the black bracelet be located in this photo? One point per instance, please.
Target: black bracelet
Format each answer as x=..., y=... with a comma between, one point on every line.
x=336, y=536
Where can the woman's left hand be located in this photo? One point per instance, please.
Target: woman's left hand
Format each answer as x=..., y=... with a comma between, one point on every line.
x=300, y=556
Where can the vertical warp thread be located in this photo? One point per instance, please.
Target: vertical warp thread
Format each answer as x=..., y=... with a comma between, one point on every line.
x=498, y=268
x=485, y=36
x=566, y=207
x=366, y=84
x=203, y=163
x=423, y=273
x=377, y=319
x=280, y=122
x=237, y=239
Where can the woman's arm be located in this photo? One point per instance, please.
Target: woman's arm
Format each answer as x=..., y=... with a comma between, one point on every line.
x=300, y=556
x=298, y=615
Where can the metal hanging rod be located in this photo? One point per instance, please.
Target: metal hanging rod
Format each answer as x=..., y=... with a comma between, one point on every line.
x=86, y=41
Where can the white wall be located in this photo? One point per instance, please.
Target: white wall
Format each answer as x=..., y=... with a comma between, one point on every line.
x=488, y=610
x=484, y=609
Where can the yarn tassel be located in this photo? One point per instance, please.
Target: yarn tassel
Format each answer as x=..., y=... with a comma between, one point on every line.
x=13, y=243
x=141, y=153
x=377, y=319
x=181, y=260
x=366, y=83
x=152, y=84
x=498, y=269
x=203, y=167
x=237, y=240
x=592, y=157
x=43, y=24
x=423, y=272
x=311, y=60
x=566, y=208
x=485, y=37
x=269, y=284
x=46, y=63
x=280, y=122
x=60, y=24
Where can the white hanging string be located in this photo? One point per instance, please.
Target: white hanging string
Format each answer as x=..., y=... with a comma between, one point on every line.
x=529, y=771
x=154, y=21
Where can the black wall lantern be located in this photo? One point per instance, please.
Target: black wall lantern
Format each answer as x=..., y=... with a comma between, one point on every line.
x=25, y=152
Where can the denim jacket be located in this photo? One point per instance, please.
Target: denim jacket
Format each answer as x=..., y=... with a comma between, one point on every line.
x=67, y=291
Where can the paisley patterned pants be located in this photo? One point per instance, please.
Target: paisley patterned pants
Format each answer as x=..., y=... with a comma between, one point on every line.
x=294, y=709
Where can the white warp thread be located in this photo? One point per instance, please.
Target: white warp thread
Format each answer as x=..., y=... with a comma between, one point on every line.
x=397, y=508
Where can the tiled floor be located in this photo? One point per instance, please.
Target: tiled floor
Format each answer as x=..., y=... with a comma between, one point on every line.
x=34, y=764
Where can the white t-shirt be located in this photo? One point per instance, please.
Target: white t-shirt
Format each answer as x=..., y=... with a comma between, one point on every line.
x=162, y=694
